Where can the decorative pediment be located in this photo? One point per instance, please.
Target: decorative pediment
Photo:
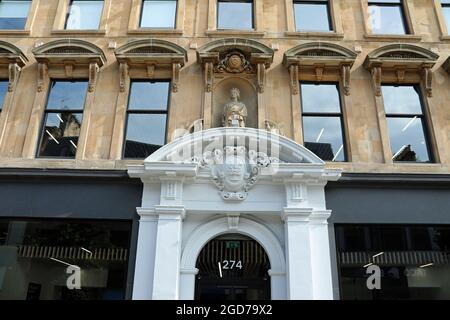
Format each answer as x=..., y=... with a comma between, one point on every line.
x=397, y=62
x=318, y=59
x=235, y=55
x=69, y=54
x=12, y=59
x=151, y=54
x=79, y=52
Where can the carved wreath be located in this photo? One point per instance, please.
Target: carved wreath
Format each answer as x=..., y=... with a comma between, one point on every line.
x=234, y=62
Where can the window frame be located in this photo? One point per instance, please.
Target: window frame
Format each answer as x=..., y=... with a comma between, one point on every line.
x=401, y=6
x=28, y=23
x=141, y=11
x=53, y=111
x=443, y=24
x=253, y=23
x=2, y=101
x=146, y=111
x=423, y=117
x=83, y=30
x=327, y=114
x=331, y=27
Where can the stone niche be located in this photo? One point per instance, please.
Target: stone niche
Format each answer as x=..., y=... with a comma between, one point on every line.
x=222, y=95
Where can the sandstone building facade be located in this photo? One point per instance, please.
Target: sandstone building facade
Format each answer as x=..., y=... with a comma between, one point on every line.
x=266, y=149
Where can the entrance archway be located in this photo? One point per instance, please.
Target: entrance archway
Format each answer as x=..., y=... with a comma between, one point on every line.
x=232, y=267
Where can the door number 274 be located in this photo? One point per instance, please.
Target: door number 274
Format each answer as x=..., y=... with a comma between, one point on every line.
x=231, y=264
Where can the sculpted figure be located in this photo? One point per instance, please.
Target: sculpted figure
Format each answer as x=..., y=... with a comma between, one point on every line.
x=234, y=112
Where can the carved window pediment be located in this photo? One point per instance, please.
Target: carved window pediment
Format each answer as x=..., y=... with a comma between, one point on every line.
x=398, y=63
x=79, y=52
x=151, y=54
x=11, y=60
x=317, y=59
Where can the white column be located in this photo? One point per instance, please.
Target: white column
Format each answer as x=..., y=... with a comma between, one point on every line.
x=187, y=283
x=145, y=254
x=298, y=253
x=278, y=285
x=166, y=276
x=320, y=255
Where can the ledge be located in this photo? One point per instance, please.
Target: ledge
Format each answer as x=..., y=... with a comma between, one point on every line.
x=393, y=37
x=155, y=32
x=445, y=38
x=79, y=32
x=326, y=35
x=4, y=32
x=235, y=33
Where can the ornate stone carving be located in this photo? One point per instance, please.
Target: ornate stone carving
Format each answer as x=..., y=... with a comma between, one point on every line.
x=175, y=76
x=234, y=170
x=345, y=76
x=428, y=81
x=234, y=112
x=14, y=71
x=209, y=76
x=93, y=74
x=123, y=74
x=234, y=62
x=261, y=74
x=376, y=78
x=42, y=74
x=293, y=73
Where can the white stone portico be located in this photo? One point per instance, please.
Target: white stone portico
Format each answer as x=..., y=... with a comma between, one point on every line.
x=233, y=180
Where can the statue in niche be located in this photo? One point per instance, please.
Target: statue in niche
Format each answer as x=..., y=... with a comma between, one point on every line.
x=234, y=112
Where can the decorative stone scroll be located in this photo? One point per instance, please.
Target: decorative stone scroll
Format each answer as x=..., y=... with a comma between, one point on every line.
x=13, y=60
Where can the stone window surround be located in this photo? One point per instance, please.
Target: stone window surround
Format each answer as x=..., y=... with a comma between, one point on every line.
x=135, y=15
x=258, y=11
x=82, y=61
x=144, y=65
x=443, y=28
x=335, y=18
x=413, y=71
x=11, y=64
x=61, y=15
x=335, y=67
x=409, y=12
x=30, y=21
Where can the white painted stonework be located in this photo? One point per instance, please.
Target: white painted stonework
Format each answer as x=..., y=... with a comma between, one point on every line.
x=233, y=180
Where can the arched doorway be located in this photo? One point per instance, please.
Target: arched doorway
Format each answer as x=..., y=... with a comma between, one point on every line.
x=232, y=267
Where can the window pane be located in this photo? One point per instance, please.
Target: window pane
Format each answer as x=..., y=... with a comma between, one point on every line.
x=158, y=14
x=446, y=11
x=408, y=139
x=411, y=268
x=320, y=98
x=84, y=14
x=311, y=17
x=323, y=136
x=386, y=19
x=65, y=95
x=149, y=96
x=146, y=133
x=235, y=15
x=99, y=249
x=401, y=100
x=60, y=134
x=13, y=14
x=3, y=90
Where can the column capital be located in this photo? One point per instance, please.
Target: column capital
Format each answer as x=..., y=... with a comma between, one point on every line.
x=296, y=214
x=320, y=217
x=165, y=212
x=147, y=214
x=189, y=271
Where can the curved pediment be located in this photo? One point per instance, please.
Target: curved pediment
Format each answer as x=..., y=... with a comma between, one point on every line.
x=400, y=54
x=74, y=49
x=319, y=52
x=152, y=49
x=192, y=147
x=9, y=53
x=253, y=50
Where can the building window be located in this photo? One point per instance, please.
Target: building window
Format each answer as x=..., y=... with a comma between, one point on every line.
x=322, y=121
x=446, y=10
x=63, y=117
x=146, y=118
x=158, y=14
x=13, y=14
x=3, y=91
x=312, y=15
x=387, y=17
x=36, y=257
x=406, y=123
x=235, y=14
x=413, y=261
x=84, y=15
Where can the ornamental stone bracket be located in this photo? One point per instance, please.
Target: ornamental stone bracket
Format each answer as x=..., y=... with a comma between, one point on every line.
x=12, y=59
x=401, y=63
x=317, y=61
x=235, y=56
x=69, y=55
x=151, y=55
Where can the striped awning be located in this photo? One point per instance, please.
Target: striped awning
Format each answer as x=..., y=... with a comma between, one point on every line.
x=394, y=258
